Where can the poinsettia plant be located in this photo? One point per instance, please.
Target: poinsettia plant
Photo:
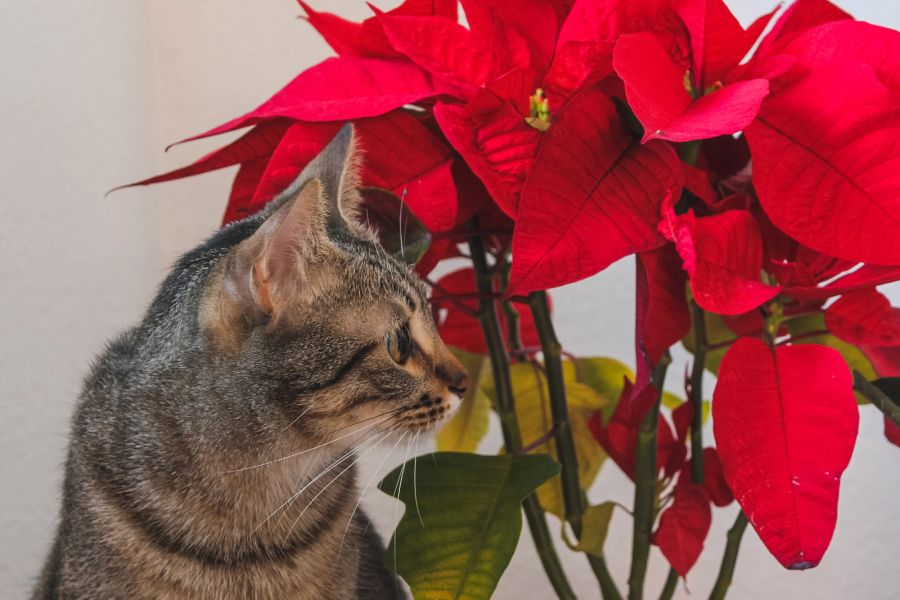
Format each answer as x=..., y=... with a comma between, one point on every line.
x=753, y=174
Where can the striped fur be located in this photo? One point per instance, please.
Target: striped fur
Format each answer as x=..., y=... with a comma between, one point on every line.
x=265, y=342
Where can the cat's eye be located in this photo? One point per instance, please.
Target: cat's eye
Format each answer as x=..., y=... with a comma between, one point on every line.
x=399, y=344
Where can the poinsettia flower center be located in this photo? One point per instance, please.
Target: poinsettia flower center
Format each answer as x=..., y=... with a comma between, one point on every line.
x=539, y=116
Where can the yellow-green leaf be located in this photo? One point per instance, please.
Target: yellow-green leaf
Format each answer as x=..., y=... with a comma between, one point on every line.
x=462, y=520
x=606, y=377
x=595, y=527
x=532, y=403
x=468, y=426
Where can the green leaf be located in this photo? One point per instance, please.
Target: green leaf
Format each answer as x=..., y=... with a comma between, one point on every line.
x=595, y=527
x=853, y=356
x=532, y=404
x=717, y=332
x=462, y=520
x=606, y=377
x=469, y=425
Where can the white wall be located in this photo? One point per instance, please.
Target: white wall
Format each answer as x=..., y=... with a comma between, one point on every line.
x=90, y=93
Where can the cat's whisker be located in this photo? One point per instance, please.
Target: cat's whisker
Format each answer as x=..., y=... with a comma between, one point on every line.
x=415, y=485
x=338, y=476
x=297, y=493
x=300, y=416
x=366, y=489
x=326, y=470
x=398, y=488
x=304, y=451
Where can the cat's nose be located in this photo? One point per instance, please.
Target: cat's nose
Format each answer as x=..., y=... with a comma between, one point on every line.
x=460, y=384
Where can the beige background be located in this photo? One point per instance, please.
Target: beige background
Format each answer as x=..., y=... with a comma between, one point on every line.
x=90, y=93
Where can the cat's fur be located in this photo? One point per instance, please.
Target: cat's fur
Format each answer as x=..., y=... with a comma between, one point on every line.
x=265, y=342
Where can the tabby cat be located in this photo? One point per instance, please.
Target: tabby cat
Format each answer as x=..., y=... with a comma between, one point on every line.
x=212, y=451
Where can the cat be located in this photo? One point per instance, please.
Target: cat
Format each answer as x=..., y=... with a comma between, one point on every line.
x=202, y=441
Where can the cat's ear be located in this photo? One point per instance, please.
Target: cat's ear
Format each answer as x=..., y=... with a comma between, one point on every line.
x=338, y=168
x=275, y=267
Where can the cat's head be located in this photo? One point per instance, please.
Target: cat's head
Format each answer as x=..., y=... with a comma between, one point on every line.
x=312, y=309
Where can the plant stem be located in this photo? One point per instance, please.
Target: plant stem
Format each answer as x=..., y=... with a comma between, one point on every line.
x=559, y=408
x=726, y=571
x=669, y=588
x=700, y=346
x=645, y=488
x=574, y=500
x=490, y=326
x=513, y=320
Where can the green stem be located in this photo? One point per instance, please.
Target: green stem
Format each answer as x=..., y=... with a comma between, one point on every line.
x=700, y=347
x=645, y=488
x=878, y=398
x=726, y=571
x=574, y=500
x=509, y=424
x=608, y=588
x=559, y=409
x=669, y=588
x=513, y=320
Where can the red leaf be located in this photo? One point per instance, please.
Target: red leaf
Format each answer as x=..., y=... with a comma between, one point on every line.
x=619, y=437
x=342, y=35
x=590, y=197
x=667, y=317
x=683, y=526
x=656, y=93
x=367, y=39
x=723, y=255
x=242, y=189
x=864, y=317
x=301, y=144
x=402, y=155
x=534, y=22
x=458, y=328
x=697, y=182
x=577, y=65
x=891, y=431
x=440, y=46
x=256, y=143
x=496, y=143
x=785, y=422
x=800, y=16
x=340, y=89
x=718, y=42
x=714, y=479
x=826, y=172
x=865, y=277
x=878, y=47
x=885, y=359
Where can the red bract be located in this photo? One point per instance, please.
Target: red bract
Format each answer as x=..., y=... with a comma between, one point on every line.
x=368, y=38
x=344, y=88
x=667, y=317
x=818, y=168
x=683, y=526
x=785, y=422
x=496, y=143
x=723, y=255
x=619, y=437
x=453, y=301
x=864, y=317
x=590, y=198
x=656, y=92
x=714, y=479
